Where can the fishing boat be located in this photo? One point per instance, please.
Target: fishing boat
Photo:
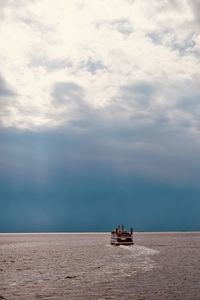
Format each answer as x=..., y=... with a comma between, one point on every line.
x=120, y=236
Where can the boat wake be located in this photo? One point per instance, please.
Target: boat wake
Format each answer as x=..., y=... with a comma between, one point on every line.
x=139, y=250
x=129, y=260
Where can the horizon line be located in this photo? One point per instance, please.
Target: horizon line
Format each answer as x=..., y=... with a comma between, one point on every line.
x=93, y=232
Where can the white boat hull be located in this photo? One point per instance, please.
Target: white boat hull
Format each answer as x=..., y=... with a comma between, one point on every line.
x=117, y=242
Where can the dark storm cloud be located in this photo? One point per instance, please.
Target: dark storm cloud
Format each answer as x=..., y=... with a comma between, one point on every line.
x=127, y=151
x=54, y=175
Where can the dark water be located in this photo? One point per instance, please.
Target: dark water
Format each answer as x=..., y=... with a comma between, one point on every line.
x=86, y=266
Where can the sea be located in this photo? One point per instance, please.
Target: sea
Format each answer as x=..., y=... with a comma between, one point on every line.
x=85, y=266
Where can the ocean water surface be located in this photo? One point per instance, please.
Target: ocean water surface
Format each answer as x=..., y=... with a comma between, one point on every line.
x=86, y=266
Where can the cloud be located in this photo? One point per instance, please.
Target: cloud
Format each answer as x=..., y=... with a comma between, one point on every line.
x=125, y=78
x=68, y=99
x=5, y=90
x=139, y=93
x=7, y=99
x=195, y=5
x=106, y=52
x=122, y=25
x=67, y=92
x=93, y=66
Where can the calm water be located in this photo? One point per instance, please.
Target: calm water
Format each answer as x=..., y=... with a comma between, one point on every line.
x=86, y=266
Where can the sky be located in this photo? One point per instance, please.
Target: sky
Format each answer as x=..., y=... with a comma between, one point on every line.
x=99, y=115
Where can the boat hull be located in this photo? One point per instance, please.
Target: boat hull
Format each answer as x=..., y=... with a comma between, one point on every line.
x=122, y=243
x=117, y=242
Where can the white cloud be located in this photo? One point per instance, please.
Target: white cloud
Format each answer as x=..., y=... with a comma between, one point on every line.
x=102, y=47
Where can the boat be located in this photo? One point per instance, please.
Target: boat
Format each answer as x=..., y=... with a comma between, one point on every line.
x=120, y=236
